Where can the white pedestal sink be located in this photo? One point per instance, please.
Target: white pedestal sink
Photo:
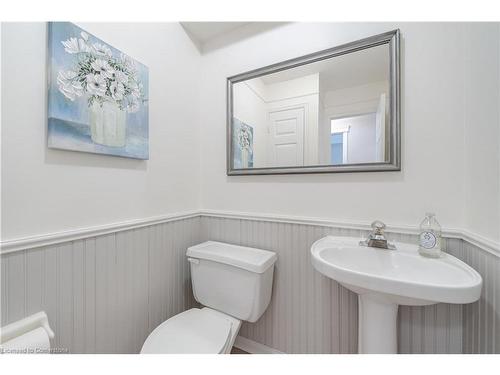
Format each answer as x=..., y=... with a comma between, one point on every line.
x=385, y=279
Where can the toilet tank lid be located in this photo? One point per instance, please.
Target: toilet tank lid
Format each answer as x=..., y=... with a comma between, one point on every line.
x=248, y=258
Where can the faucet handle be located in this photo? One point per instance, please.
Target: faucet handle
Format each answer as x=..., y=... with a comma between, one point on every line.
x=377, y=238
x=378, y=227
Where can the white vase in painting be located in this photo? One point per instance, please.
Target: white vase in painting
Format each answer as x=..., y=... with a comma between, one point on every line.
x=108, y=124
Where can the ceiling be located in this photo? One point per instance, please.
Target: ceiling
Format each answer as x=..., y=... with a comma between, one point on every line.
x=353, y=69
x=203, y=32
x=208, y=36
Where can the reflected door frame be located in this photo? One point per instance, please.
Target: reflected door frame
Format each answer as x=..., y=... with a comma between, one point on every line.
x=340, y=112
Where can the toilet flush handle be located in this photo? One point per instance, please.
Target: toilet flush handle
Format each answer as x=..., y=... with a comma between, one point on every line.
x=194, y=260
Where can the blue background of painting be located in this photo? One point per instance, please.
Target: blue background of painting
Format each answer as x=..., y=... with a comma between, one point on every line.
x=68, y=123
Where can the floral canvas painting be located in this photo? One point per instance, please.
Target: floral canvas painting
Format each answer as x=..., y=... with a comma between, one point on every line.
x=242, y=144
x=98, y=96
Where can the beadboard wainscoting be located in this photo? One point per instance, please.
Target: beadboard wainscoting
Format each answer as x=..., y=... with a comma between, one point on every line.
x=103, y=294
x=105, y=291
x=310, y=313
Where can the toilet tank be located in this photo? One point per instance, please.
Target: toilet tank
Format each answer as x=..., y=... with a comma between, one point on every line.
x=232, y=279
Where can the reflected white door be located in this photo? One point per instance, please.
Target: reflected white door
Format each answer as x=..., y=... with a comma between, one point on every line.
x=380, y=130
x=286, y=138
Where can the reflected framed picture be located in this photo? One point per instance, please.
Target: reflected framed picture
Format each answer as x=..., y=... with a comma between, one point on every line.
x=243, y=144
x=97, y=96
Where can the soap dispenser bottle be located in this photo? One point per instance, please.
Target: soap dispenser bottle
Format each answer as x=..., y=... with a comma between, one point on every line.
x=430, y=237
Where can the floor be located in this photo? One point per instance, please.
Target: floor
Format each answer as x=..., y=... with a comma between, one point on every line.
x=236, y=350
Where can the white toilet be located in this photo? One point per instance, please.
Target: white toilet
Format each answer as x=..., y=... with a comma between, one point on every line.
x=234, y=283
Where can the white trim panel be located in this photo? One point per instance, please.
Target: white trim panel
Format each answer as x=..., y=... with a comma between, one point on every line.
x=18, y=244
x=479, y=241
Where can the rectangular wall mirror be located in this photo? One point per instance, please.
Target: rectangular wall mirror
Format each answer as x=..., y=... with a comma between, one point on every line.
x=336, y=110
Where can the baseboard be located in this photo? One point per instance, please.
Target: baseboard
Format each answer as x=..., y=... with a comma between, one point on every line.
x=254, y=347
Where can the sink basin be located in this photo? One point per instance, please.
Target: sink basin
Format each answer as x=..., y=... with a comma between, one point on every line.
x=385, y=279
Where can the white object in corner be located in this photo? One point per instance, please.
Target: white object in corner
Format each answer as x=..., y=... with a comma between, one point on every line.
x=28, y=335
x=234, y=283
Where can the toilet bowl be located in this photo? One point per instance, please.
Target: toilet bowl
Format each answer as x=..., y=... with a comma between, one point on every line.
x=195, y=331
x=234, y=283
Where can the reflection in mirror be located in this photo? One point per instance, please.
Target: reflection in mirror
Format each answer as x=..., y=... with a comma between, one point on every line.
x=331, y=112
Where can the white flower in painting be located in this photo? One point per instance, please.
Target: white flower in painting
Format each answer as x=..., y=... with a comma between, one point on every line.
x=100, y=75
x=66, y=75
x=136, y=93
x=117, y=90
x=83, y=43
x=96, y=84
x=67, y=91
x=71, y=45
x=120, y=77
x=128, y=63
x=84, y=46
x=77, y=85
x=69, y=87
x=134, y=90
x=103, y=67
x=133, y=85
x=102, y=49
x=77, y=88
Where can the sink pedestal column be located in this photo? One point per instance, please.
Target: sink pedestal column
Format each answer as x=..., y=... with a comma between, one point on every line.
x=377, y=329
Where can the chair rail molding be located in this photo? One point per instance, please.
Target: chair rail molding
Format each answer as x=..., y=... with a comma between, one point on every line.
x=24, y=243
x=483, y=243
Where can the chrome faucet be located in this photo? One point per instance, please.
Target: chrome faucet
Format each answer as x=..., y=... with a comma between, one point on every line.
x=377, y=237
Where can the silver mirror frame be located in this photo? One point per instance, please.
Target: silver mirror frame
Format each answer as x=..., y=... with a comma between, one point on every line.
x=392, y=38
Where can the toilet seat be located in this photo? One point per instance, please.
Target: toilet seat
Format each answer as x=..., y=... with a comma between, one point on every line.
x=194, y=331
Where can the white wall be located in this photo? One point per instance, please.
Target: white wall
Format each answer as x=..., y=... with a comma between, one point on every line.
x=292, y=88
x=482, y=137
x=46, y=190
x=355, y=100
x=434, y=97
x=450, y=133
